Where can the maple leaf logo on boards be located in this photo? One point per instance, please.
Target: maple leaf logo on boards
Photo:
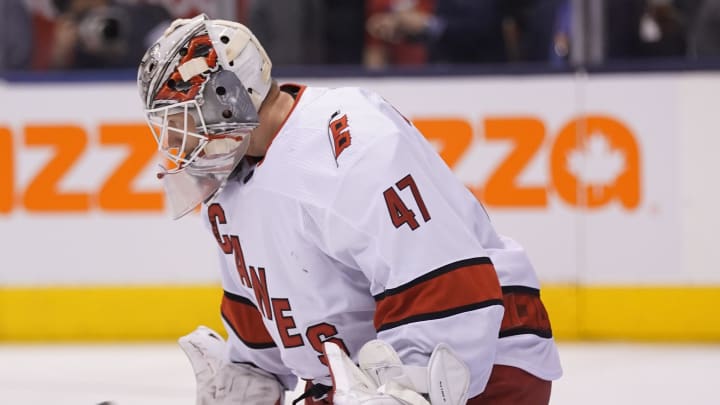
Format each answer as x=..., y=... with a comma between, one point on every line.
x=594, y=161
x=598, y=164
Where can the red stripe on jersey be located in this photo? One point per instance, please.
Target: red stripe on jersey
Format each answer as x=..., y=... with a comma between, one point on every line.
x=459, y=287
x=524, y=313
x=245, y=320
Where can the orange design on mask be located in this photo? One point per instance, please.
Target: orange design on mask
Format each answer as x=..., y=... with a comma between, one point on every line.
x=175, y=88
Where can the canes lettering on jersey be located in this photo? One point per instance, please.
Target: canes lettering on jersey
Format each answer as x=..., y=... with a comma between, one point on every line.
x=244, y=316
x=228, y=244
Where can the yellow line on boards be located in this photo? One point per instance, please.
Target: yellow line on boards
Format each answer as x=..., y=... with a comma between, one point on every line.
x=640, y=313
x=107, y=313
x=137, y=313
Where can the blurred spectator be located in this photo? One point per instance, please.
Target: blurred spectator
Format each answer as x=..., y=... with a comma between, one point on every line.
x=380, y=53
x=459, y=31
x=309, y=31
x=16, y=36
x=644, y=29
x=292, y=31
x=562, y=34
x=663, y=30
x=103, y=34
x=530, y=27
x=622, y=27
x=345, y=31
x=704, y=30
x=469, y=31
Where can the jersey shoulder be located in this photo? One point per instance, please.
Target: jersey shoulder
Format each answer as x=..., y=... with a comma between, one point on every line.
x=328, y=132
x=346, y=121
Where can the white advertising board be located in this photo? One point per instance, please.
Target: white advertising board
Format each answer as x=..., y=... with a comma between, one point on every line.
x=593, y=175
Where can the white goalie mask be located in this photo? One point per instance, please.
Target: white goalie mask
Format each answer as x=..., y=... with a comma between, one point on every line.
x=202, y=84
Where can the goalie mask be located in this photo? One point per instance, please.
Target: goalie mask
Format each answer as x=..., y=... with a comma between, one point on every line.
x=202, y=84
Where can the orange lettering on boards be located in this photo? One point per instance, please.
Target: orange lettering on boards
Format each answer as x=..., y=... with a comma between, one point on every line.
x=602, y=167
x=117, y=193
x=42, y=194
x=453, y=134
x=502, y=189
x=593, y=161
x=7, y=171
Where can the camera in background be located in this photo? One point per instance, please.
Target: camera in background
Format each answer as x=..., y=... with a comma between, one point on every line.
x=105, y=34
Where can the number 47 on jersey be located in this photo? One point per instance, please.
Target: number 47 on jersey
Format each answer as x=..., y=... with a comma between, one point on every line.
x=399, y=212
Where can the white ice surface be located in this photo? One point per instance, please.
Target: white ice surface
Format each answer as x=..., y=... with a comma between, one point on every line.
x=159, y=374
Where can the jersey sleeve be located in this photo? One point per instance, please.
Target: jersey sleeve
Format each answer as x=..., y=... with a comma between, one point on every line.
x=401, y=217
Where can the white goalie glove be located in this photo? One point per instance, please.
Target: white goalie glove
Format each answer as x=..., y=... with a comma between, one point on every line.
x=382, y=379
x=220, y=382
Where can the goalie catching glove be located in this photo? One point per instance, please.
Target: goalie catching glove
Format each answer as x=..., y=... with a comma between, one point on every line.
x=382, y=379
x=220, y=382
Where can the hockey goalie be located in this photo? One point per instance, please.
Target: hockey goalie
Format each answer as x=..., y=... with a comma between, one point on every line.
x=351, y=257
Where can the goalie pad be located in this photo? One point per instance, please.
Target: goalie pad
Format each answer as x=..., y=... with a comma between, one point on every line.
x=220, y=382
x=382, y=378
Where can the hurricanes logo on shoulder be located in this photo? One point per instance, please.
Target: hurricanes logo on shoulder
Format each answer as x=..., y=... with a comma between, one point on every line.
x=339, y=133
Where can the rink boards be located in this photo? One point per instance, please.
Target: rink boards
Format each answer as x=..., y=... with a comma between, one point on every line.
x=607, y=180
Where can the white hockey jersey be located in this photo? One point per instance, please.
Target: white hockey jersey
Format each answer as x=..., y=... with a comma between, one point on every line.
x=352, y=228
